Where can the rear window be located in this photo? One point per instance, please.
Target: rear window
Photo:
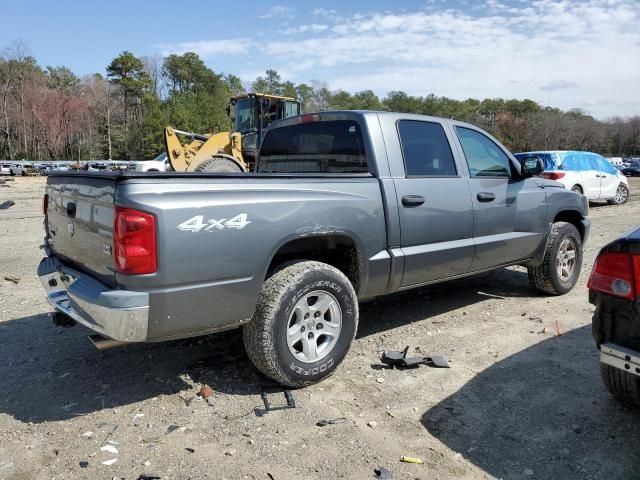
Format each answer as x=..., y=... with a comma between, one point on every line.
x=425, y=149
x=318, y=147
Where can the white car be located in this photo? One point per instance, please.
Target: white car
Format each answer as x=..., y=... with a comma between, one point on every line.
x=158, y=164
x=21, y=169
x=5, y=169
x=584, y=172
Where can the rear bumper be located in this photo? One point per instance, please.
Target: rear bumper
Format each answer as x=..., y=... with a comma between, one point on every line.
x=118, y=314
x=621, y=358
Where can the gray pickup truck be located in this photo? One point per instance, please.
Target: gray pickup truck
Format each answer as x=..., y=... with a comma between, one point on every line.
x=343, y=207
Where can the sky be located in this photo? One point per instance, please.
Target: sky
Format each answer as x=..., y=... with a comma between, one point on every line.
x=561, y=53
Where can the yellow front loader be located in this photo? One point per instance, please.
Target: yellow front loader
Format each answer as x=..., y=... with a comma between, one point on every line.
x=235, y=150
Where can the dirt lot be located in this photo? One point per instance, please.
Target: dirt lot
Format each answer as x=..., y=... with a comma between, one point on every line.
x=519, y=401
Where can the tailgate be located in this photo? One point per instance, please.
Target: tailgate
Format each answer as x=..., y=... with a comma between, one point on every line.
x=80, y=223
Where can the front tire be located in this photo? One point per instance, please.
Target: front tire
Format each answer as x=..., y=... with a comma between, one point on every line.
x=622, y=385
x=577, y=189
x=219, y=164
x=304, y=323
x=562, y=262
x=622, y=195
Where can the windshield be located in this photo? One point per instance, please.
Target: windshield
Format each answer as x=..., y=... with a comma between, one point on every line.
x=319, y=147
x=245, y=116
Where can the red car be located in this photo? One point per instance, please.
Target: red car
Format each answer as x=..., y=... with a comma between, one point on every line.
x=614, y=288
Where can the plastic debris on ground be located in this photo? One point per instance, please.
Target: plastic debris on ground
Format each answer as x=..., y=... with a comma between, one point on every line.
x=109, y=448
x=383, y=473
x=399, y=359
x=406, y=459
x=333, y=421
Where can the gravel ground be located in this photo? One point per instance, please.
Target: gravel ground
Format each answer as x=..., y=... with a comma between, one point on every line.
x=520, y=401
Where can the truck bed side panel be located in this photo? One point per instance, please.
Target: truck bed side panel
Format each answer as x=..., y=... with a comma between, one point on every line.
x=216, y=240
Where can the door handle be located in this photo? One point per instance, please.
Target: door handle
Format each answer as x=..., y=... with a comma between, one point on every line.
x=486, y=197
x=412, y=200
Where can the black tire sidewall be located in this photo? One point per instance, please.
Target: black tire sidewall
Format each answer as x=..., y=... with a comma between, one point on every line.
x=626, y=198
x=566, y=231
x=299, y=372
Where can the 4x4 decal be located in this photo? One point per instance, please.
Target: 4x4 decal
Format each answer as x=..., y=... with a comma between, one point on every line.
x=197, y=223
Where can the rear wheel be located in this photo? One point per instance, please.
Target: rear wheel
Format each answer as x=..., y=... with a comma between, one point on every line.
x=220, y=165
x=621, y=196
x=577, y=189
x=305, y=321
x=562, y=262
x=622, y=385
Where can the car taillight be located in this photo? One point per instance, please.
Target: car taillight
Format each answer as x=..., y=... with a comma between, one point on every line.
x=553, y=175
x=134, y=241
x=616, y=274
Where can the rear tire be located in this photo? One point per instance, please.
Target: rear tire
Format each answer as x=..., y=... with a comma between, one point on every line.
x=219, y=165
x=577, y=189
x=622, y=195
x=622, y=385
x=287, y=320
x=559, y=273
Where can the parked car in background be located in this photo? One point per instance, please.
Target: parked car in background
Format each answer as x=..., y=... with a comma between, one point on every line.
x=5, y=169
x=615, y=161
x=22, y=169
x=584, y=172
x=158, y=164
x=614, y=288
x=632, y=170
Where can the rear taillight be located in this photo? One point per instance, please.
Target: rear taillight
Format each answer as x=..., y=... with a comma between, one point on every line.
x=553, y=175
x=134, y=240
x=309, y=118
x=616, y=274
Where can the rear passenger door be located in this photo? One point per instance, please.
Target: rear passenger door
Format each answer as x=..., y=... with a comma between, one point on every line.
x=436, y=219
x=509, y=211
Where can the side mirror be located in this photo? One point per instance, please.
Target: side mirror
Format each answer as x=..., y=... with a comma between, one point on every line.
x=531, y=166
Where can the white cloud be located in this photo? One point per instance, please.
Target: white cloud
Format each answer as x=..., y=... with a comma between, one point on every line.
x=206, y=48
x=558, y=85
x=310, y=28
x=278, y=11
x=564, y=53
x=324, y=12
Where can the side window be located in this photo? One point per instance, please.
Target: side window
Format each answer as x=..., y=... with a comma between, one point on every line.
x=484, y=157
x=425, y=149
x=605, y=166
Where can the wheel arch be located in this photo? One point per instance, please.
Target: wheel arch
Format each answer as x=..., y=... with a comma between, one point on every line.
x=574, y=217
x=339, y=250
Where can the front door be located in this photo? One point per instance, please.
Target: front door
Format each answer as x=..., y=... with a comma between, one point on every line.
x=608, y=176
x=509, y=211
x=436, y=219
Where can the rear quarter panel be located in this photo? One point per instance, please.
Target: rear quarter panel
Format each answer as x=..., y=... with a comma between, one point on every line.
x=209, y=279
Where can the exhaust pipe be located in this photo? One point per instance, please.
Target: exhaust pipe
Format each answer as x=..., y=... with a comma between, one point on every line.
x=104, y=343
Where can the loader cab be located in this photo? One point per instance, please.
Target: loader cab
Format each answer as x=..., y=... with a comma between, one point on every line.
x=252, y=113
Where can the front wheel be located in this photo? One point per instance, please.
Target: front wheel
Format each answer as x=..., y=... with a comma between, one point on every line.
x=621, y=196
x=304, y=323
x=562, y=262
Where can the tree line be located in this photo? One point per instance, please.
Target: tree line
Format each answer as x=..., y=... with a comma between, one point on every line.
x=49, y=113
